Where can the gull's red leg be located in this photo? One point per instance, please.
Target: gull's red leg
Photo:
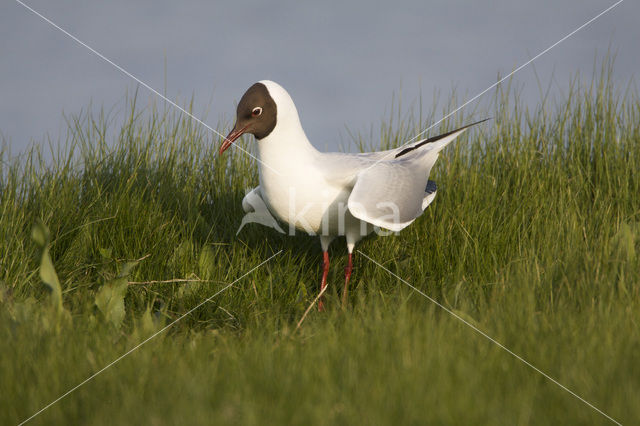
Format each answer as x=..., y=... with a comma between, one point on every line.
x=347, y=276
x=323, y=284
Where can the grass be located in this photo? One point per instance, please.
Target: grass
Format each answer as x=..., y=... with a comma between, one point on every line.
x=533, y=238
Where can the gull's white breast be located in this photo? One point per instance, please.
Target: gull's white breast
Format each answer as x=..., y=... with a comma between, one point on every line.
x=304, y=199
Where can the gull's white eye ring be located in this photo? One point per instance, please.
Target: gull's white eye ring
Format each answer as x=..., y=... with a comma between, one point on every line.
x=256, y=111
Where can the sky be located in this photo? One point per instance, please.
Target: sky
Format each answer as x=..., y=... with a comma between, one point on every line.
x=341, y=61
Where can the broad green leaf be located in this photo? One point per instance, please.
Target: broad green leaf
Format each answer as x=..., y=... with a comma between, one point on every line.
x=50, y=278
x=40, y=233
x=105, y=252
x=110, y=300
x=146, y=324
x=126, y=269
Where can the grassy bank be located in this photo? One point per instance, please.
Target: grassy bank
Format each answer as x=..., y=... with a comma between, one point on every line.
x=533, y=238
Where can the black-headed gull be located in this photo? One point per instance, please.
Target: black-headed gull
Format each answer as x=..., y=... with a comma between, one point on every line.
x=332, y=194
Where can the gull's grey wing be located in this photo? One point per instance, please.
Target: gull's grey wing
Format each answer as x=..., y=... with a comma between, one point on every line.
x=390, y=194
x=341, y=168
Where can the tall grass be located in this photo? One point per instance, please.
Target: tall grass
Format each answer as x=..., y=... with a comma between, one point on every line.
x=533, y=238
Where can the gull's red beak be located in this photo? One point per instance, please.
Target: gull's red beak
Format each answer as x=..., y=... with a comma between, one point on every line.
x=231, y=138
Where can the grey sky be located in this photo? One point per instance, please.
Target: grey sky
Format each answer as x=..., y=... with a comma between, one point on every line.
x=340, y=61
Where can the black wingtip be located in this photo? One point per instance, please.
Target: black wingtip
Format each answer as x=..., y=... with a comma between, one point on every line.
x=437, y=138
x=431, y=187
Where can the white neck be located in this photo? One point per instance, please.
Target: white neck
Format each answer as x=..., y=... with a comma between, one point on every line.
x=286, y=149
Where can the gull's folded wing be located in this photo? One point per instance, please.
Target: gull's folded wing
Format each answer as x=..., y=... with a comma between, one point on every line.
x=389, y=194
x=393, y=193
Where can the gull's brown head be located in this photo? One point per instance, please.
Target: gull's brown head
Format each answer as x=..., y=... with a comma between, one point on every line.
x=256, y=114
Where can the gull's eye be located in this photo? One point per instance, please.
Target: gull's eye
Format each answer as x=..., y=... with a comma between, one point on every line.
x=256, y=112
